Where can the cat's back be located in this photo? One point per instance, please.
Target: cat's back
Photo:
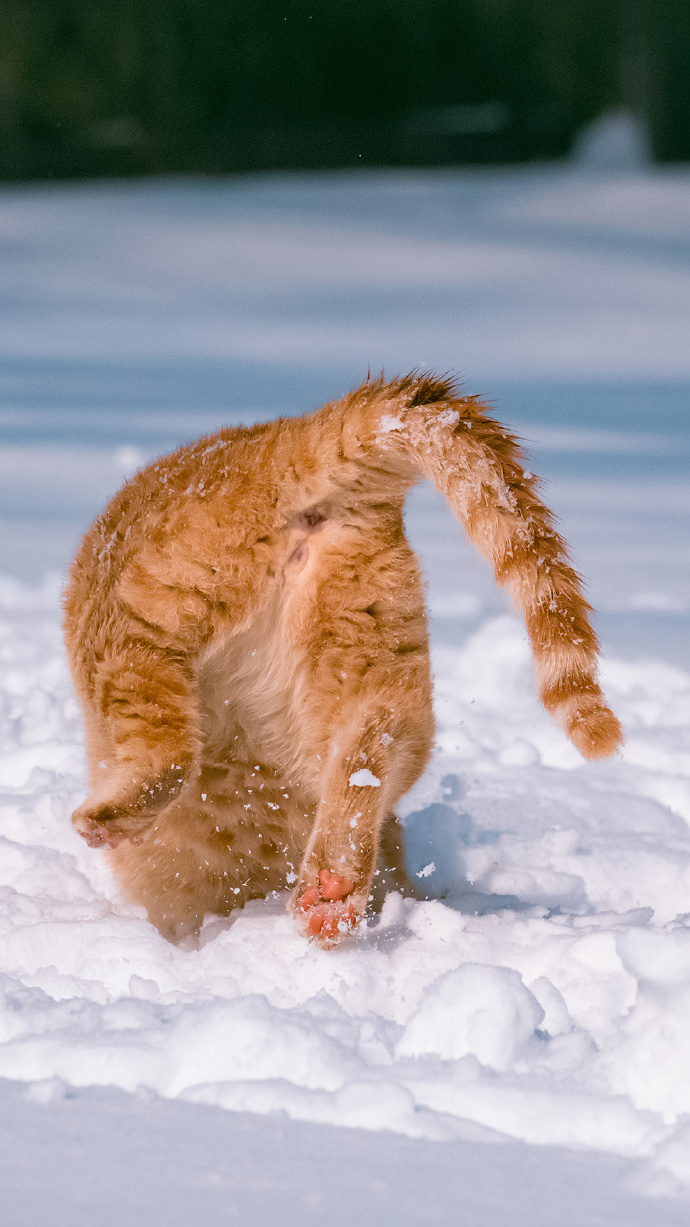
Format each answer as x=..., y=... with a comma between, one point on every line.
x=222, y=483
x=241, y=466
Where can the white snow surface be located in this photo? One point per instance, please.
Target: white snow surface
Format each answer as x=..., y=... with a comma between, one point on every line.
x=546, y=997
x=542, y=995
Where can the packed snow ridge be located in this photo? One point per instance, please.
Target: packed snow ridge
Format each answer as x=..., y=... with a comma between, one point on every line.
x=543, y=995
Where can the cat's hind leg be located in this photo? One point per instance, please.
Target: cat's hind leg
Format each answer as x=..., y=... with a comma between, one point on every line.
x=143, y=732
x=233, y=835
x=366, y=723
x=376, y=750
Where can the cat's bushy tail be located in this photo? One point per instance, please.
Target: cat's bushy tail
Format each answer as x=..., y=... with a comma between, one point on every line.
x=419, y=425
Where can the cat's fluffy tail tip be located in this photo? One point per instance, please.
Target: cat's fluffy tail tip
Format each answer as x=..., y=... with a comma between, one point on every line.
x=594, y=730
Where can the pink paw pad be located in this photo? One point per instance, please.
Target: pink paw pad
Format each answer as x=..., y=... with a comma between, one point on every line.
x=99, y=839
x=330, y=914
x=97, y=834
x=332, y=886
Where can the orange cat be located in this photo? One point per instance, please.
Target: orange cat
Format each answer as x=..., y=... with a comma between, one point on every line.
x=247, y=635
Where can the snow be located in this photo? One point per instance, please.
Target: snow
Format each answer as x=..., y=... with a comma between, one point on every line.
x=616, y=140
x=388, y=423
x=516, y=1043
x=364, y=778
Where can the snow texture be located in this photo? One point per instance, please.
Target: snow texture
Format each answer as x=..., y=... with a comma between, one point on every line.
x=528, y=1023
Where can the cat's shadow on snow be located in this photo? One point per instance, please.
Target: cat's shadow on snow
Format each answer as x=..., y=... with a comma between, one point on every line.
x=434, y=840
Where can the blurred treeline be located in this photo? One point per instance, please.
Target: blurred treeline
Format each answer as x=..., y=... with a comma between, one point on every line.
x=139, y=86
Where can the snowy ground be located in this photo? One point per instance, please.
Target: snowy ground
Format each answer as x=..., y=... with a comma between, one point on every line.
x=516, y=1048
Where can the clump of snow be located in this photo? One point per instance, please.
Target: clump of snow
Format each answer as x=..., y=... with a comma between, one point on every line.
x=449, y=417
x=544, y=997
x=475, y=1010
x=426, y=870
x=387, y=423
x=364, y=778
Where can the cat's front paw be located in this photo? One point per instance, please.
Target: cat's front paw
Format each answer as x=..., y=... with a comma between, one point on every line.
x=326, y=912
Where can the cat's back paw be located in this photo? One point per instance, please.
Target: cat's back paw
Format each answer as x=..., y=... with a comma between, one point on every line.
x=327, y=911
x=104, y=826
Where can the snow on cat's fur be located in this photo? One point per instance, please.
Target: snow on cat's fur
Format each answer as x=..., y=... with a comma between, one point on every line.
x=247, y=635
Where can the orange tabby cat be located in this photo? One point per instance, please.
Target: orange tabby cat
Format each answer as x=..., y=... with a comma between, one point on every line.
x=246, y=630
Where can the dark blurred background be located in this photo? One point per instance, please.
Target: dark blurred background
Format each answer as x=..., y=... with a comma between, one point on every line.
x=126, y=87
